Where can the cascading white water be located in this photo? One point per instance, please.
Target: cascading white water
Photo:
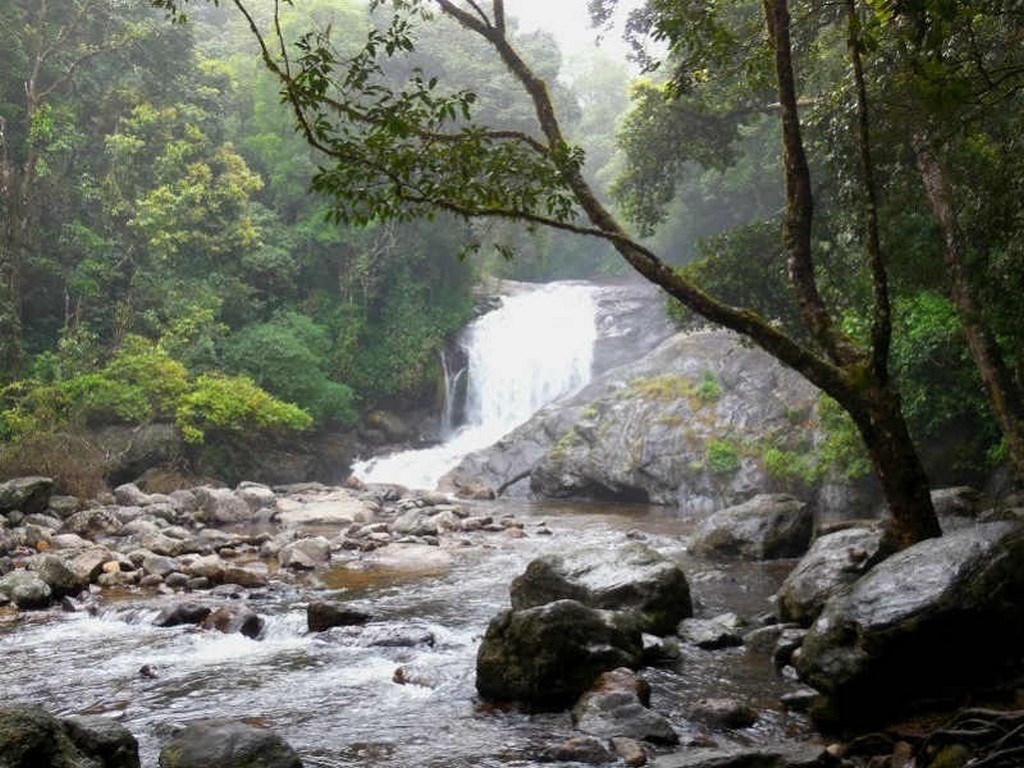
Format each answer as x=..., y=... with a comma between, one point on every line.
x=536, y=347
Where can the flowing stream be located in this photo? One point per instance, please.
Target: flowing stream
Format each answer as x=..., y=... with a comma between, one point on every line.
x=538, y=346
x=332, y=695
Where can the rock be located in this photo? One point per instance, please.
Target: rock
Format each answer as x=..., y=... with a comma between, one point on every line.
x=956, y=507
x=305, y=554
x=711, y=634
x=30, y=737
x=786, y=646
x=634, y=578
x=723, y=713
x=220, y=505
x=414, y=522
x=833, y=561
x=93, y=522
x=58, y=574
x=159, y=565
x=226, y=743
x=64, y=506
x=618, y=705
x=208, y=567
x=104, y=740
x=545, y=657
x=801, y=700
x=88, y=565
x=630, y=751
x=182, y=613
x=257, y=496
x=579, y=749
x=765, y=756
x=321, y=615
x=323, y=506
x=25, y=589
x=26, y=494
x=129, y=495
x=230, y=619
x=767, y=527
x=895, y=629
x=248, y=575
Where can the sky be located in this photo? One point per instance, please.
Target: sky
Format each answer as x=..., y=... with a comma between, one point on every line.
x=567, y=20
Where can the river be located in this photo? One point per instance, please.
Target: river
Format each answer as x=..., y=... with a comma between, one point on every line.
x=332, y=696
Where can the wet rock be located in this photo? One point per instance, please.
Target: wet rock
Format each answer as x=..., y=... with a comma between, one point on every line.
x=159, y=565
x=545, y=657
x=231, y=619
x=579, y=749
x=26, y=494
x=660, y=650
x=206, y=566
x=833, y=561
x=723, y=713
x=957, y=507
x=894, y=629
x=414, y=523
x=618, y=705
x=390, y=636
x=801, y=700
x=767, y=527
x=30, y=737
x=634, y=577
x=787, y=645
x=763, y=639
x=182, y=613
x=176, y=580
x=321, y=615
x=630, y=751
x=225, y=743
x=103, y=740
x=766, y=756
x=88, y=565
x=711, y=634
x=220, y=505
x=25, y=589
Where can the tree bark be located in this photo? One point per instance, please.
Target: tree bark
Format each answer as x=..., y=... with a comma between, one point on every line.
x=1006, y=397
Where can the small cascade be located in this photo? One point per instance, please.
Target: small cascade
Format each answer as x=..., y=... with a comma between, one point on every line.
x=451, y=396
x=535, y=348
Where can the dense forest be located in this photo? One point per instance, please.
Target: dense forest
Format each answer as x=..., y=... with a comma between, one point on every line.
x=165, y=259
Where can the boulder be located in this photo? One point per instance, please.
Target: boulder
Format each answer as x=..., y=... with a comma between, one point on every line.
x=30, y=737
x=634, y=578
x=322, y=615
x=545, y=657
x=226, y=743
x=768, y=527
x=58, y=574
x=711, y=634
x=248, y=575
x=787, y=755
x=579, y=749
x=103, y=740
x=833, y=561
x=618, y=705
x=305, y=554
x=93, y=522
x=414, y=522
x=723, y=713
x=130, y=495
x=257, y=496
x=222, y=506
x=88, y=564
x=182, y=613
x=25, y=589
x=26, y=494
x=940, y=619
x=235, y=618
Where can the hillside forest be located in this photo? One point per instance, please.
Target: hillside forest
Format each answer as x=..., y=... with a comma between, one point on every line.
x=174, y=251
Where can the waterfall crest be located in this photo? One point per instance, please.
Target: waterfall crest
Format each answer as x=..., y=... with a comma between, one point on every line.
x=536, y=347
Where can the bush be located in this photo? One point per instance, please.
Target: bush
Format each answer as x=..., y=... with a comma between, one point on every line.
x=77, y=466
x=234, y=404
x=722, y=457
x=141, y=363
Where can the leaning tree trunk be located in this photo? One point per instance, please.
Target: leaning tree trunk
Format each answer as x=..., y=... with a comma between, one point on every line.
x=1006, y=397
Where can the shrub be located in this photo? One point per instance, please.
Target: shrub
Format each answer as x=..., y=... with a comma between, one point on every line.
x=708, y=388
x=77, y=466
x=721, y=457
x=141, y=363
x=234, y=404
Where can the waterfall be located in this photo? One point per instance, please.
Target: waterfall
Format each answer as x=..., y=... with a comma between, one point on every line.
x=451, y=393
x=537, y=346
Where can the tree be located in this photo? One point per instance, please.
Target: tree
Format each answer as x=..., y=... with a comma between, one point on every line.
x=411, y=150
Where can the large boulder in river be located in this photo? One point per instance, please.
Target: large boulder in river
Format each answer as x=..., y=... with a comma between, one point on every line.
x=768, y=527
x=225, y=743
x=543, y=658
x=634, y=577
x=25, y=589
x=104, y=740
x=833, y=561
x=30, y=737
x=939, y=619
x=690, y=424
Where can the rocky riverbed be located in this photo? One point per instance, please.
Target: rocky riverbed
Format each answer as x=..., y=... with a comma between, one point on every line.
x=361, y=626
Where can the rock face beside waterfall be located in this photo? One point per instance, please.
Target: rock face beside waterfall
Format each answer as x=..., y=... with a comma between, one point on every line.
x=688, y=424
